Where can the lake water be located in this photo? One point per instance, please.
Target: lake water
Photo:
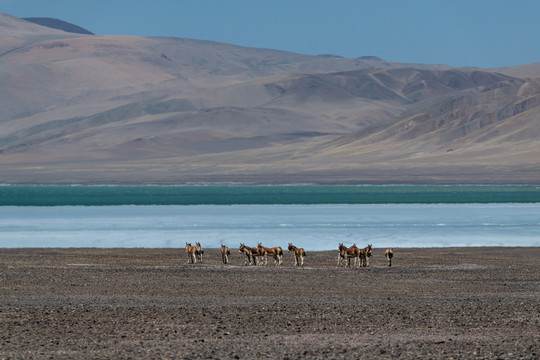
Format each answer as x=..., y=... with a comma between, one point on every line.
x=46, y=195
x=420, y=220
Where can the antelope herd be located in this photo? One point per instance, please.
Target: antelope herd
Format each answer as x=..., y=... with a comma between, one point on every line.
x=360, y=256
x=194, y=253
x=259, y=255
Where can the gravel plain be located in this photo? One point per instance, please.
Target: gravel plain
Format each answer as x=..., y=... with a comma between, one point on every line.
x=440, y=303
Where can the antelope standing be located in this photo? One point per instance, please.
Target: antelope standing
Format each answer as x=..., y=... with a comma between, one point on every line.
x=389, y=254
x=365, y=254
x=298, y=253
x=275, y=252
x=349, y=253
x=190, y=251
x=341, y=257
x=225, y=252
x=251, y=253
x=199, y=251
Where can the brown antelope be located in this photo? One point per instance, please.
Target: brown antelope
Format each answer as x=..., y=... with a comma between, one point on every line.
x=259, y=252
x=389, y=254
x=225, y=252
x=190, y=251
x=340, y=257
x=365, y=254
x=251, y=254
x=348, y=253
x=199, y=251
x=275, y=252
x=246, y=251
x=298, y=253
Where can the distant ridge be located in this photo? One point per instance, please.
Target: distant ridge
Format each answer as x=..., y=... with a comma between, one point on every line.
x=370, y=57
x=331, y=56
x=79, y=109
x=59, y=25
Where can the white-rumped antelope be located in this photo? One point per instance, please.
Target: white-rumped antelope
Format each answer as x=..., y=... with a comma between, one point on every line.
x=298, y=253
x=225, y=252
x=389, y=254
x=190, y=251
x=275, y=252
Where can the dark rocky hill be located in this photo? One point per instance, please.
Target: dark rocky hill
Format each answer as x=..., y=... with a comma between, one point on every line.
x=58, y=24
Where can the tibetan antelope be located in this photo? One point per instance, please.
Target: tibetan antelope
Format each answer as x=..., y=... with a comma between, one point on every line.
x=389, y=254
x=340, y=257
x=190, y=251
x=199, y=251
x=298, y=253
x=365, y=254
x=225, y=252
x=246, y=251
x=251, y=254
x=349, y=253
x=275, y=252
x=258, y=253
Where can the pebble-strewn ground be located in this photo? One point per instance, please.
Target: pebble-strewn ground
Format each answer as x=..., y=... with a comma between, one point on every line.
x=461, y=303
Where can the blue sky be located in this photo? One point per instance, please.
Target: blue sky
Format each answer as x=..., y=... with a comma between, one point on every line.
x=483, y=33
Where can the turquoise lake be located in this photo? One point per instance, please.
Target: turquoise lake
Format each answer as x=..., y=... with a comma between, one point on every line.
x=313, y=217
x=47, y=195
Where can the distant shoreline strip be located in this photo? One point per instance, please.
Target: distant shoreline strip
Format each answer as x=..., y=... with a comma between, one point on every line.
x=110, y=195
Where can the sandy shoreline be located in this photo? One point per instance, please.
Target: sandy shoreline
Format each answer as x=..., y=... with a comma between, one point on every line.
x=149, y=303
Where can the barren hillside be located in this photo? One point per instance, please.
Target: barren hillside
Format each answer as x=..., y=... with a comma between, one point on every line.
x=118, y=109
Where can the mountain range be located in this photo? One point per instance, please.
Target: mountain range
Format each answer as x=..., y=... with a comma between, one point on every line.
x=88, y=109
